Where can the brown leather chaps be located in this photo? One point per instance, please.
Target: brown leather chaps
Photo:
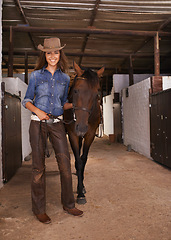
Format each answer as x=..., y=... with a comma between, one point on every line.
x=38, y=139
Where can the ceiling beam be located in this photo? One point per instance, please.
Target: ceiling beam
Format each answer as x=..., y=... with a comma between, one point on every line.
x=18, y=4
x=91, y=23
x=164, y=24
x=113, y=70
x=148, y=39
x=118, y=55
x=86, y=31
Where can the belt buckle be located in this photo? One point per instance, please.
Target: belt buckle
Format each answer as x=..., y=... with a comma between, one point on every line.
x=50, y=121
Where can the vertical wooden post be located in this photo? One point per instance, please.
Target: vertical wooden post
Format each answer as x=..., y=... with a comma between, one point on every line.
x=10, y=54
x=26, y=68
x=131, y=77
x=156, y=80
x=156, y=55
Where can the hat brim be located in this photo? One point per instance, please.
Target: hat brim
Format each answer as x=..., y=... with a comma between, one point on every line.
x=40, y=47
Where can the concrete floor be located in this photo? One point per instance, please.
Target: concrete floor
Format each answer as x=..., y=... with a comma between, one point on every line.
x=128, y=197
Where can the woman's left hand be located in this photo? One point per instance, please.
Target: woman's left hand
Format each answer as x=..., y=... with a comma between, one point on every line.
x=68, y=106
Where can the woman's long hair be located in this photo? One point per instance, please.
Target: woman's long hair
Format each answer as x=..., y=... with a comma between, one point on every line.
x=62, y=64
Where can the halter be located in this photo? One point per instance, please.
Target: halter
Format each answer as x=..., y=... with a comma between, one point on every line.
x=82, y=108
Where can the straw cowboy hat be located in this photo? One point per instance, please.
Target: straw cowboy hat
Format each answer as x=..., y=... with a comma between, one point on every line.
x=51, y=45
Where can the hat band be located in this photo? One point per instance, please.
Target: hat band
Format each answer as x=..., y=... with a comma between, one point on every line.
x=51, y=47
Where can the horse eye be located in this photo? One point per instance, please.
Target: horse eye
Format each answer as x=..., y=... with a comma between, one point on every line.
x=75, y=90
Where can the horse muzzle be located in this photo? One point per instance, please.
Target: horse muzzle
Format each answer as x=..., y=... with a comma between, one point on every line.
x=81, y=129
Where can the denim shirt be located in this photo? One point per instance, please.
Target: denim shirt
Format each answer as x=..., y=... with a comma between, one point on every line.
x=46, y=92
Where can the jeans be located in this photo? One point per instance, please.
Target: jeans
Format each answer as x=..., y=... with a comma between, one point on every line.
x=38, y=138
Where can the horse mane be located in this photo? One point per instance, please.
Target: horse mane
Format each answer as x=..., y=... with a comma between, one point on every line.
x=91, y=78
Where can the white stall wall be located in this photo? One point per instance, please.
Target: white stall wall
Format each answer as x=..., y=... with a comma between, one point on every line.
x=18, y=75
x=108, y=115
x=13, y=86
x=166, y=82
x=136, y=117
x=1, y=184
x=121, y=81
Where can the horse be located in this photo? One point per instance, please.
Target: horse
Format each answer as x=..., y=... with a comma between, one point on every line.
x=84, y=118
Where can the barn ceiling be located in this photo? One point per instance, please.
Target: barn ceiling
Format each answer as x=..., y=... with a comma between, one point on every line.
x=95, y=32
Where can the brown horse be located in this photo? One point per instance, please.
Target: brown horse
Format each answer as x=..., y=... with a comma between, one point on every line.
x=84, y=119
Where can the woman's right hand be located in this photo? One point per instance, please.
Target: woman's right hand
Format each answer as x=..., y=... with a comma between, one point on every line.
x=42, y=115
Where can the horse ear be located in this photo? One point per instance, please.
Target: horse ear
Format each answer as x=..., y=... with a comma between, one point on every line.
x=100, y=72
x=78, y=70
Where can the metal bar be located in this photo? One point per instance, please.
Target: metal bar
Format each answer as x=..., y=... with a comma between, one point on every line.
x=86, y=31
x=26, y=68
x=10, y=54
x=107, y=85
x=131, y=77
x=156, y=56
x=3, y=127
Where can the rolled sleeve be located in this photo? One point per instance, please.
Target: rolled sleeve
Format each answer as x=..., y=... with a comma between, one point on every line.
x=26, y=100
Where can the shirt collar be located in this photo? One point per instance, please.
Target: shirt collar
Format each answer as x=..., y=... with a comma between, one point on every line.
x=44, y=69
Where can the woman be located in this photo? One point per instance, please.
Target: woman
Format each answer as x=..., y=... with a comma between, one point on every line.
x=46, y=98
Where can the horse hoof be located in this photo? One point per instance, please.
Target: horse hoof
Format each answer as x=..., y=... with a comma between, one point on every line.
x=83, y=191
x=81, y=200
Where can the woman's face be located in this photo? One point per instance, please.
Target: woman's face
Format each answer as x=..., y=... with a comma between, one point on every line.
x=52, y=58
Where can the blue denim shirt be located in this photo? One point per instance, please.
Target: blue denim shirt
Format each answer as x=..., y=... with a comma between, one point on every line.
x=48, y=93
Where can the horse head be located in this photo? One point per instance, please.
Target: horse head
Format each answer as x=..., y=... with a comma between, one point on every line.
x=84, y=97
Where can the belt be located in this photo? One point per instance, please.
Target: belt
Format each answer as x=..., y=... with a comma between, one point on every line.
x=51, y=120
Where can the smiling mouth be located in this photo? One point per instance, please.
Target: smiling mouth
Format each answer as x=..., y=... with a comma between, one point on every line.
x=53, y=61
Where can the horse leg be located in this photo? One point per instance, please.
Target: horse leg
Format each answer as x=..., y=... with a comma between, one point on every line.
x=75, y=143
x=80, y=145
x=89, y=137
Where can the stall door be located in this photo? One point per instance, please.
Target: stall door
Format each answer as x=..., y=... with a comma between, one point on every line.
x=161, y=127
x=11, y=135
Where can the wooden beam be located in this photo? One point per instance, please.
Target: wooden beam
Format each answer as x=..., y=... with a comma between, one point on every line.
x=118, y=55
x=148, y=39
x=156, y=55
x=93, y=16
x=86, y=31
x=18, y=4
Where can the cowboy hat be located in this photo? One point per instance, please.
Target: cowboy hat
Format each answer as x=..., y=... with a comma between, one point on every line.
x=51, y=45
